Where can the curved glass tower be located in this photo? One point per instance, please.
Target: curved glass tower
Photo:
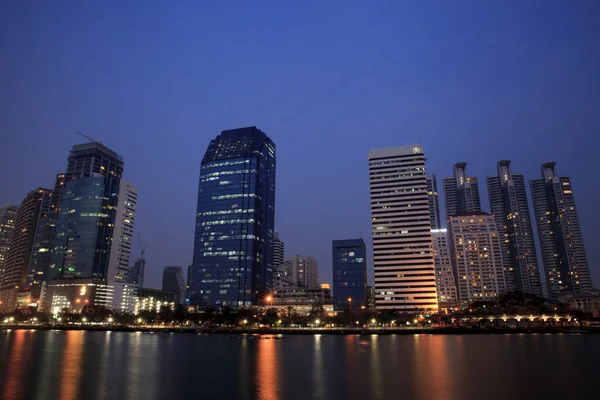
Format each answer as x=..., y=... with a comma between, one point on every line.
x=233, y=244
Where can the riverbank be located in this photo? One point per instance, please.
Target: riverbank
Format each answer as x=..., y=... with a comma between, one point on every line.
x=312, y=331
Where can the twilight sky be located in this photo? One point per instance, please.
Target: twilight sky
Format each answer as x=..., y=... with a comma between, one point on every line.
x=156, y=81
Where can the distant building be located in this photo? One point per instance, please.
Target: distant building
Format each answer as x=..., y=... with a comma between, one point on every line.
x=278, y=251
x=234, y=237
x=477, y=257
x=561, y=241
x=173, y=282
x=18, y=255
x=508, y=202
x=8, y=215
x=188, y=284
x=586, y=302
x=434, y=204
x=401, y=226
x=282, y=278
x=444, y=274
x=349, y=273
x=153, y=300
x=301, y=296
x=136, y=272
x=304, y=270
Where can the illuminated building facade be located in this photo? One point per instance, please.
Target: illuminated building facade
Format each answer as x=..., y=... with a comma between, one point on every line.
x=509, y=206
x=434, y=204
x=8, y=215
x=153, y=300
x=234, y=237
x=461, y=192
x=444, y=274
x=18, y=255
x=401, y=226
x=477, y=257
x=349, y=273
x=561, y=241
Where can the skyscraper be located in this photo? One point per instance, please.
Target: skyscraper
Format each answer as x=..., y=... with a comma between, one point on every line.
x=234, y=237
x=508, y=202
x=173, y=282
x=561, y=241
x=278, y=251
x=136, y=272
x=84, y=161
x=434, y=204
x=349, y=273
x=402, y=249
x=461, y=192
x=477, y=257
x=8, y=215
x=444, y=273
x=16, y=262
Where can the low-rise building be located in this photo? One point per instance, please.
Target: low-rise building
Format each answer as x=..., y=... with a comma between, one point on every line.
x=75, y=294
x=154, y=299
x=587, y=302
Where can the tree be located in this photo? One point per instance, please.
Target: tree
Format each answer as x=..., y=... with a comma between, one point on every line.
x=181, y=314
x=165, y=314
x=290, y=313
x=95, y=313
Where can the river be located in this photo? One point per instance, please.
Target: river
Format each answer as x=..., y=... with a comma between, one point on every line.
x=120, y=365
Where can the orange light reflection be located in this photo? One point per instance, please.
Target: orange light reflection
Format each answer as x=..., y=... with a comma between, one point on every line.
x=268, y=370
x=72, y=365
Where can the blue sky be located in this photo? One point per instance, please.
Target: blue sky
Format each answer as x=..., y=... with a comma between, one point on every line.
x=156, y=81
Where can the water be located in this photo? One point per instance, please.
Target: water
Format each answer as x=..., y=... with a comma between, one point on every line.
x=119, y=365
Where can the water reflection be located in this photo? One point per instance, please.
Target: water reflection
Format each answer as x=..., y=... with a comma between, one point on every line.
x=72, y=365
x=375, y=361
x=317, y=373
x=436, y=378
x=16, y=365
x=267, y=367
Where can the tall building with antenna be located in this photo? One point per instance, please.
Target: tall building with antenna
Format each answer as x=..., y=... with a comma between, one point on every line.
x=509, y=206
x=561, y=240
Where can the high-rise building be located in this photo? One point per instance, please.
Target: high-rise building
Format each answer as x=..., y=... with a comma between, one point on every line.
x=306, y=271
x=85, y=229
x=85, y=160
x=434, y=204
x=349, y=273
x=136, y=272
x=8, y=215
x=16, y=262
x=402, y=250
x=444, y=274
x=234, y=237
x=120, y=252
x=188, y=283
x=461, y=192
x=509, y=206
x=561, y=241
x=477, y=257
x=278, y=251
x=173, y=282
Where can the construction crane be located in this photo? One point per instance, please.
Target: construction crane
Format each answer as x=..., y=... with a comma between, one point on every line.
x=143, y=247
x=88, y=138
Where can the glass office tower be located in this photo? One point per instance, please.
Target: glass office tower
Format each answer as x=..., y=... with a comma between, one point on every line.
x=349, y=273
x=233, y=245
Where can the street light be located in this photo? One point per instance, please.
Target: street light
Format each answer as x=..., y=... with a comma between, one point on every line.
x=350, y=304
x=373, y=321
x=139, y=320
x=84, y=319
x=110, y=319
x=317, y=321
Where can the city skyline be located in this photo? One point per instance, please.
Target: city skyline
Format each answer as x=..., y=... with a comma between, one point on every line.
x=488, y=106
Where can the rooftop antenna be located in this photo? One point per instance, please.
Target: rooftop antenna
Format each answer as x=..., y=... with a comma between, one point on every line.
x=88, y=138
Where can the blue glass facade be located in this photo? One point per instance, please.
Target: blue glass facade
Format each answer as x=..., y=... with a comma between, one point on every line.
x=233, y=244
x=84, y=229
x=349, y=273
